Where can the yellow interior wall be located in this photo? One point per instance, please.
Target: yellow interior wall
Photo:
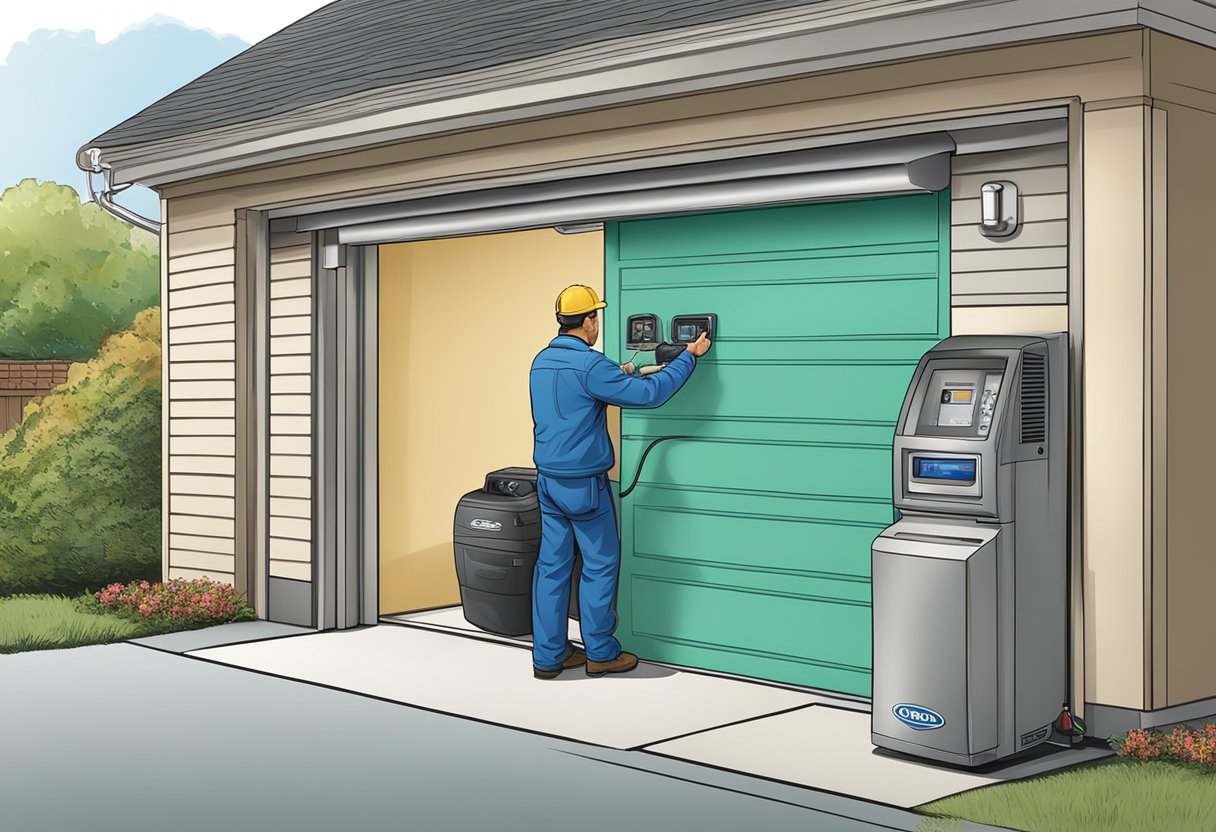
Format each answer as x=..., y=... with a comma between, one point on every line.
x=460, y=322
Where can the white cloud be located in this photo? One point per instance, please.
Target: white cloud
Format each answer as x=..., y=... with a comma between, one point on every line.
x=251, y=21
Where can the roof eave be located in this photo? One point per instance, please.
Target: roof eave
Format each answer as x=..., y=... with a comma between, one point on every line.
x=868, y=43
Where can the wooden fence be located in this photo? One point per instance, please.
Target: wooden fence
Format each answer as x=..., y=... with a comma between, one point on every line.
x=23, y=381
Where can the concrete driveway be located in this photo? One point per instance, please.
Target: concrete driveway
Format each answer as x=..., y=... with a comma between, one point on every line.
x=134, y=737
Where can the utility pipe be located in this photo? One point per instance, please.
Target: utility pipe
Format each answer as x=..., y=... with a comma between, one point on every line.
x=103, y=197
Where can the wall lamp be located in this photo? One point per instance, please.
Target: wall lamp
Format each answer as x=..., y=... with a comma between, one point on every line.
x=999, y=215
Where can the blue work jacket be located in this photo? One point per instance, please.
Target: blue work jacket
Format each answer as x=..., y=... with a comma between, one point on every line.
x=571, y=386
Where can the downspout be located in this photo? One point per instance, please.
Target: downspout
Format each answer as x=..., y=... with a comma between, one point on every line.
x=104, y=200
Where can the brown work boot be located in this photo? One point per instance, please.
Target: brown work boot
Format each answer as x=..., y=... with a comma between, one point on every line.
x=623, y=663
x=578, y=657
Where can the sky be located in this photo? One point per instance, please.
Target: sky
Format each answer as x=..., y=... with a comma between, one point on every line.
x=69, y=71
x=249, y=21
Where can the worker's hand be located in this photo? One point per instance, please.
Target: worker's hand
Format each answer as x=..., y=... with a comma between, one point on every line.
x=700, y=346
x=627, y=368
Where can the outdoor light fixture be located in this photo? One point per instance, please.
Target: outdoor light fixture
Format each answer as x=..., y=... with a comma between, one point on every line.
x=998, y=209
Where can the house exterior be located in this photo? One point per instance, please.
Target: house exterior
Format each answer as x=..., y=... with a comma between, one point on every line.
x=359, y=252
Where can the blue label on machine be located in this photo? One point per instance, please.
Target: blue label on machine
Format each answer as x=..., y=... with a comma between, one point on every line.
x=955, y=470
x=917, y=716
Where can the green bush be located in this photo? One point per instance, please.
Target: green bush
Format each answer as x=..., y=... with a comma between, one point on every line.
x=80, y=481
x=70, y=274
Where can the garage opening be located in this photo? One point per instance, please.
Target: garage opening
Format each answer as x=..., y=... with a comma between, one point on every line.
x=747, y=549
x=460, y=322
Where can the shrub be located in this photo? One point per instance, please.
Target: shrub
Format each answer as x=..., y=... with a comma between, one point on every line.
x=176, y=604
x=80, y=477
x=70, y=274
x=1181, y=745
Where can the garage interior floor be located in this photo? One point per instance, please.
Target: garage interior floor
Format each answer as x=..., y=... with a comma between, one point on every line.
x=438, y=661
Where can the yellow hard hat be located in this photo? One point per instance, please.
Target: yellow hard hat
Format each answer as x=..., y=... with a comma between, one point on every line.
x=577, y=300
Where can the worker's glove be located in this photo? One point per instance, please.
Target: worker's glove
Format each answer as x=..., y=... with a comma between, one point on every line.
x=666, y=353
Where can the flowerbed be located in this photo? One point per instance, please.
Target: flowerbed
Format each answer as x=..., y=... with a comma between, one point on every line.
x=1182, y=745
x=174, y=605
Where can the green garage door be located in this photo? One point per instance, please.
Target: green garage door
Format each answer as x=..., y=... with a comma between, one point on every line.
x=747, y=550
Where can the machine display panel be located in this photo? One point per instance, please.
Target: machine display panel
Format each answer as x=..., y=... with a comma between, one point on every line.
x=957, y=403
x=959, y=399
x=952, y=470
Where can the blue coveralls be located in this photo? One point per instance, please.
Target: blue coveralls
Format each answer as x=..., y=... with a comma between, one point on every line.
x=571, y=386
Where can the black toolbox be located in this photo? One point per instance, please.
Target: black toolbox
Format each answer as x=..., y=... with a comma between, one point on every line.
x=497, y=539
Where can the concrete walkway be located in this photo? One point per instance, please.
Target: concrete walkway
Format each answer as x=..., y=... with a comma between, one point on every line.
x=145, y=737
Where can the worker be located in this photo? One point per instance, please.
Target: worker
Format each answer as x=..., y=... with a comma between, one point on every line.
x=571, y=386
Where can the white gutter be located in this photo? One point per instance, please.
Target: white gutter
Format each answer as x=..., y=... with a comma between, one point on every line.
x=103, y=198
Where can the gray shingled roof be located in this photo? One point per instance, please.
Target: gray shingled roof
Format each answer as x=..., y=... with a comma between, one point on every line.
x=352, y=46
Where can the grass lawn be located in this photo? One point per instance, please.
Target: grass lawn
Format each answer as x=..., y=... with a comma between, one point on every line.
x=1114, y=795
x=48, y=622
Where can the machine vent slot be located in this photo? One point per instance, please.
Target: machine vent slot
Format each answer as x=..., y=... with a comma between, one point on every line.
x=1034, y=398
x=1035, y=736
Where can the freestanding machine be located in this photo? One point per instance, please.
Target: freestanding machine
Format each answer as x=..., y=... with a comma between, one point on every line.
x=969, y=585
x=496, y=540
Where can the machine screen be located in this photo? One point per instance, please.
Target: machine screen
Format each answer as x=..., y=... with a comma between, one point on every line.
x=957, y=404
x=687, y=328
x=955, y=470
x=959, y=400
x=642, y=332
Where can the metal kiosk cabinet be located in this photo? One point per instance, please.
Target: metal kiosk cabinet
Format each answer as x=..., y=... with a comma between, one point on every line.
x=970, y=604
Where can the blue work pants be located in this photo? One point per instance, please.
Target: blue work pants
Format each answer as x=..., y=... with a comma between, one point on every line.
x=575, y=508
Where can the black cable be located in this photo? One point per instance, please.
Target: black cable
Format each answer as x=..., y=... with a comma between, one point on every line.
x=642, y=461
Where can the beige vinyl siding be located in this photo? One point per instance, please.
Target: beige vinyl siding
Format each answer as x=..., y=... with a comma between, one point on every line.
x=184, y=280
x=204, y=561
x=1029, y=267
x=202, y=465
x=220, y=351
x=288, y=507
x=287, y=487
x=177, y=572
x=187, y=542
x=206, y=334
x=205, y=526
x=208, y=409
x=200, y=308
x=290, y=402
x=202, y=260
x=220, y=446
